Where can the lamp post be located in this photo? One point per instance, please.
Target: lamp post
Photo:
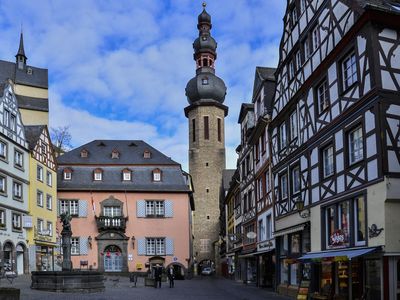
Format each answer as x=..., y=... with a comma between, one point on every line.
x=303, y=213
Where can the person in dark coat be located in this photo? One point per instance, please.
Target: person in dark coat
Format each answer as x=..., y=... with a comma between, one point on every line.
x=157, y=276
x=171, y=277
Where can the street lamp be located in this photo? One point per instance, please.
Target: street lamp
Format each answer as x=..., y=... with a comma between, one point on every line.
x=304, y=213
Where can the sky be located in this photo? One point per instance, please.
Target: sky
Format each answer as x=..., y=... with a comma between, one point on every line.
x=118, y=69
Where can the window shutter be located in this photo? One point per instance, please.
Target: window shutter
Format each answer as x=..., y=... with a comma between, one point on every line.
x=141, y=209
x=169, y=246
x=169, y=209
x=83, y=245
x=83, y=208
x=141, y=246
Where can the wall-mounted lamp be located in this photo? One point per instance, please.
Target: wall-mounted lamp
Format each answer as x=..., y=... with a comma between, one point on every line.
x=300, y=209
x=133, y=242
x=90, y=241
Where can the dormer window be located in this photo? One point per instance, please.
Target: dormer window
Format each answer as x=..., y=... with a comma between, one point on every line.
x=157, y=175
x=126, y=175
x=147, y=154
x=29, y=71
x=98, y=175
x=67, y=174
x=84, y=153
x=115, y=154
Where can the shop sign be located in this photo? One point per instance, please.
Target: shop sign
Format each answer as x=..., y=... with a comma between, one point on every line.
x=337, y=238
x=139, y=266
x=27, y=221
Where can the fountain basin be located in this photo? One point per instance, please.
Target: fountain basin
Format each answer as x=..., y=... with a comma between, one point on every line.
x=68, y=281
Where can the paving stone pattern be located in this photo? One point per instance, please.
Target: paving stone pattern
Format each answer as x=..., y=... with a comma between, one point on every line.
x=199, y=288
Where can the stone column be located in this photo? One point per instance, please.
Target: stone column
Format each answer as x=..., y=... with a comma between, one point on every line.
x=66, y=246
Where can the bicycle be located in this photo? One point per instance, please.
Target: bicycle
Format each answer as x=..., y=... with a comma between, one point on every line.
x=7, y=273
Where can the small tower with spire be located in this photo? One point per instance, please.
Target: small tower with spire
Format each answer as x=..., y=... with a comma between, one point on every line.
x=206, y=113
x=21, y=57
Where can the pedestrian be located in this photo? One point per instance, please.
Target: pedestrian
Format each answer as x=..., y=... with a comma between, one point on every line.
x=157, y=275
x=170, y=274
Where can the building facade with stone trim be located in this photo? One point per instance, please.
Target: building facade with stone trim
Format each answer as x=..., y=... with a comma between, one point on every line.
x=131, y=207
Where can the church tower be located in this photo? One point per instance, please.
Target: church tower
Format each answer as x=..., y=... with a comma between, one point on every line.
x=206, y=113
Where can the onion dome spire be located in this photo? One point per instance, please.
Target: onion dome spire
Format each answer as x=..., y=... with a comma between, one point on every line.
x=205, y=86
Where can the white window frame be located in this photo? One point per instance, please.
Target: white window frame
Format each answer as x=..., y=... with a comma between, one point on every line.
x=316, y=38
x=40, y=226
x=126, y=175
x=18, y=159
x=296, y=179
x=328, y=161
x=13, y=122
x=98, y=175
x=16, y=221
x=50, y=228
x=49, y=202
x=67, y=175
x=356, y=145
x=75, y=246
x=283, y=186
x=17, y=190
x=72, y=206
x=2, y=217
x=349, y=70
x=39, y=173
x=49, y=178
x=323, y=96
x=293, y=130
x=6, y=118
x=112, y=211
x=155, y=208
x=156, y=176
x=155, y=246
x=282, y=136
x=3, y=184
x=3, y=150
x=39, y=198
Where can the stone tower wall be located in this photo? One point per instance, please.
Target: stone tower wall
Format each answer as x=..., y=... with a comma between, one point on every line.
x=206, y=163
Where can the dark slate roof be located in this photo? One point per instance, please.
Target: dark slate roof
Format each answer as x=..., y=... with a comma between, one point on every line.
x=82, y=179
x=38, y=78
x=227, y=175
x=33, y=103
x=262, y=74
x=131, y=153
x=32, y=134
x=386, y=5
x=244, y=109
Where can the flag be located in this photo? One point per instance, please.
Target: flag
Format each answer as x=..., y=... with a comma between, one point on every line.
x=93, y=205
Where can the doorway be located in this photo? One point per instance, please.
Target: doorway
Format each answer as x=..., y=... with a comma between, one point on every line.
x=112, y=259
x=20, y=259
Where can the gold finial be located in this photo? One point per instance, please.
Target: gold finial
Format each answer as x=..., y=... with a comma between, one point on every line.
x=204, y=5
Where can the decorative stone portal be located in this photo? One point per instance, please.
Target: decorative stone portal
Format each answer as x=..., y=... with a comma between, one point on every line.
x=113, y=251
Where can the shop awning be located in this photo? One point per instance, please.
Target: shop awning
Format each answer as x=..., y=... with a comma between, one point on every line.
x=350, y=253
x=289, y=230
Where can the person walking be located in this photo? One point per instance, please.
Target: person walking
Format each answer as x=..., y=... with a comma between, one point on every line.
x=170, y=274
x=157, y=276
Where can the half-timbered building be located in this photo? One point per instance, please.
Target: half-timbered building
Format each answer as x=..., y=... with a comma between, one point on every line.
x=335, y=149
x=14, y=182
x=263, y=91
x=41, y=236
x=247, y=194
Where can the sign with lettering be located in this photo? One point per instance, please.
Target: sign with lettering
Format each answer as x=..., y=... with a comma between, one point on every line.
x=337, y=238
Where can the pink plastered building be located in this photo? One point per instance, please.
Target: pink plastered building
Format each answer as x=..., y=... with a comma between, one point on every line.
x=131, y=207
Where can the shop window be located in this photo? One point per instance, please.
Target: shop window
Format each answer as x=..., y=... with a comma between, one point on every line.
x=295, y=274
x=359, y=208
x=284, y=272
x=295, y=243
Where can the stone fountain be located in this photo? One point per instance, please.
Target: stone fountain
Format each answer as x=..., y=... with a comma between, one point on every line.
x=67, y=280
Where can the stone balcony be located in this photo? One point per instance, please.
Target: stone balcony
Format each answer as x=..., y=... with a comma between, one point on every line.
x=111, y=223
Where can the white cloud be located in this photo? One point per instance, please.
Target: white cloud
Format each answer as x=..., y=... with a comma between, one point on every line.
x=119, y=69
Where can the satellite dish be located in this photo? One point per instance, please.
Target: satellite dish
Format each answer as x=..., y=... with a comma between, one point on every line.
x=251, y=235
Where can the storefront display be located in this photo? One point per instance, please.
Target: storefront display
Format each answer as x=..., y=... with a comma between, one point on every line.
x=44, y=258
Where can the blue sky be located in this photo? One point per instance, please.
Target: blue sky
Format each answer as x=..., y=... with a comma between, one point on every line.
x=118, y=69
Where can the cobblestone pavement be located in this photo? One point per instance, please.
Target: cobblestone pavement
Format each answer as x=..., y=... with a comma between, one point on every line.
x=209, y=288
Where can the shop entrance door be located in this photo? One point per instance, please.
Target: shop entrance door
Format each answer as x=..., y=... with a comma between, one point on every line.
x=20, y=259
x=112, y=259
